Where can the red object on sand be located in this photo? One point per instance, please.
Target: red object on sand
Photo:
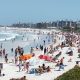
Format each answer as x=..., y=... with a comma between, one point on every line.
x=41, y=56
x=45, y=57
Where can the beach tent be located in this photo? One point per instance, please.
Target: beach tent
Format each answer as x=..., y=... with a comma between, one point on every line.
x=25, y=57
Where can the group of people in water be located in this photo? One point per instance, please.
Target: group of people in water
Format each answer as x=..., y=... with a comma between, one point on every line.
x=3, y=53
x=19, y=50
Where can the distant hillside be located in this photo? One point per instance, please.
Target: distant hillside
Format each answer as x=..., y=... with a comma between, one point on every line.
x=73, y=74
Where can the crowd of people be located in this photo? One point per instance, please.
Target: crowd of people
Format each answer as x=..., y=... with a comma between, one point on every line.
x=70, y=39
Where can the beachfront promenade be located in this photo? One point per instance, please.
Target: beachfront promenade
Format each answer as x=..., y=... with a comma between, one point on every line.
x=12, y=71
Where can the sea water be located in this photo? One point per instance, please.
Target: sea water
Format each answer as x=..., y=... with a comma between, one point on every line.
x=7, y=36
x=7, y=39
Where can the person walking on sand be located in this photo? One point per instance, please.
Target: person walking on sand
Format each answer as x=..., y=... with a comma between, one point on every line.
x=61, y=65
x=20, y=65
x=16, y=59
x=24, y=65
x=45, y=50
x=27, y=66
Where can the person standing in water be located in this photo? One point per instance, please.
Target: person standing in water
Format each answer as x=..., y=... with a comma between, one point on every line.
x=6, y=58
x=1, y=45
x=11, y=49
x=4, y=51
x=31, y=51
x=44, y=42
x=45, y=50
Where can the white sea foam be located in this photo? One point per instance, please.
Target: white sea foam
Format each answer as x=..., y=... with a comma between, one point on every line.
x=7, y=36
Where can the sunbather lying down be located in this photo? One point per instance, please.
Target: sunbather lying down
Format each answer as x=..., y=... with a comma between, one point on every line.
x=22, y=78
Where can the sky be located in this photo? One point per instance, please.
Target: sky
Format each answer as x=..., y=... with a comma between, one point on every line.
x=13, y=11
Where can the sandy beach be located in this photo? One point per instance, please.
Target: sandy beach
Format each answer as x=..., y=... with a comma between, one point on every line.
x=11, y=69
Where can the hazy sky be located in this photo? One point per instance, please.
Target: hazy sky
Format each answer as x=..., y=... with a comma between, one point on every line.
x=13, y=11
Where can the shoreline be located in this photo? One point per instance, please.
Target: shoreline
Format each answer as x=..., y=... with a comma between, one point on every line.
x=10, y=69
